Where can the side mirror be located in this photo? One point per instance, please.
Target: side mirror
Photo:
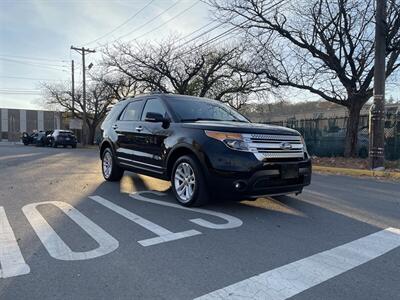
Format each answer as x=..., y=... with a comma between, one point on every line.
x=157, y=118
x=154, y=117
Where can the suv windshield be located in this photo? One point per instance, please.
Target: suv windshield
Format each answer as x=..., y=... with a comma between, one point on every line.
x=189, y=110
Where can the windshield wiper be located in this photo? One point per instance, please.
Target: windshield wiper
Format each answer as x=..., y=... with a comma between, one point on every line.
x=237, y=120
x=199, y=119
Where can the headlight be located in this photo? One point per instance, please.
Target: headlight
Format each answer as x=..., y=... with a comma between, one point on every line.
x=304, y=145
x=232, y=140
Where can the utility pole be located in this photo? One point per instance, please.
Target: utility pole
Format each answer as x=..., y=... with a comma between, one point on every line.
x=83, y=51
x=73, y=89
x=377, y=110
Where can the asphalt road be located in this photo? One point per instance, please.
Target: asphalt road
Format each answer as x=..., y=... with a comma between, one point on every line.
x=65, y=233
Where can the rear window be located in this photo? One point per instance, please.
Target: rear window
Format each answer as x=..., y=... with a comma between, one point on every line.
x=65, y=133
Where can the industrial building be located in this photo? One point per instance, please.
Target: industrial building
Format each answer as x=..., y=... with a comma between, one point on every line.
x=13, y=122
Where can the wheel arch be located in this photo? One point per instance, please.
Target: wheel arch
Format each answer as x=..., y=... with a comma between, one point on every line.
x=181, y=150
x=104, y=145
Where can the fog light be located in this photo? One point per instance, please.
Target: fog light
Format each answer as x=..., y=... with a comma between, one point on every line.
x=240, y=185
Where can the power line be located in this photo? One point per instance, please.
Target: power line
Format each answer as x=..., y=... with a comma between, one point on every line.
x=19, y=91
x=122, y=24
x=44, y=66
x=141, y=26
x=28, y=78
x=197, y=30
x=204, y=33
x=32, y=58
x=30, y=62
x=219, y=36
x=278, y=4
x=169, y=20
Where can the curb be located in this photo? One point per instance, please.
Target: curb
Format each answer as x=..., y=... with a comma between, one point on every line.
x=356, y=172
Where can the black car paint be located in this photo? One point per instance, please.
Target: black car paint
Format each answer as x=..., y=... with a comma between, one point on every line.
x=151, y=148
x=62, y=138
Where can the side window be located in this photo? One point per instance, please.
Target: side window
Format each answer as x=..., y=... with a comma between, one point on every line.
x=132, y=111
x=155, y=106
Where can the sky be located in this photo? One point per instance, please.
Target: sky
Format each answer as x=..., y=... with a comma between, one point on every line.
x=36, y=36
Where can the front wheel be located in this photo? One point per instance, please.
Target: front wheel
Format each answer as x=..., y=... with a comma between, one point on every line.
x=188, y=183
x=111, y=171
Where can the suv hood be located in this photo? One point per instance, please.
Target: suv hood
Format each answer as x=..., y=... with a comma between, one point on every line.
x=240, y=127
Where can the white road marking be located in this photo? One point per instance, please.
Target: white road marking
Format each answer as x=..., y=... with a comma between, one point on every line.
x=11, y=260
x=232, y=222
x=7, y=157
x=53, y=242
x=296, y=277
x=163, y=234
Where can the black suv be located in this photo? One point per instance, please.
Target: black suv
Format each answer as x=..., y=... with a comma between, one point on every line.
x=204, y=147
x=62, y=138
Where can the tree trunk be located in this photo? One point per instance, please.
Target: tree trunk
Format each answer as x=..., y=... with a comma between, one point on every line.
x=350, y=149
x=92, y=133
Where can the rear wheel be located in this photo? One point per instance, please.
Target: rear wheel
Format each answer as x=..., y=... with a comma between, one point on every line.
x=111, y=171
x=188, y=182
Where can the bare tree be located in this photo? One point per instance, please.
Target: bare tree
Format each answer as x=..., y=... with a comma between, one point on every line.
x=320, y=46
x=192, y=70
x=99, y=97
x=119, y=85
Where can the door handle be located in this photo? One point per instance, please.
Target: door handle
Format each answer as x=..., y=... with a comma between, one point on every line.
x=139, y=128
x=115, y=126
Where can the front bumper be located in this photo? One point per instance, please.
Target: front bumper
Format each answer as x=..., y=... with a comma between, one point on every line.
x=267, y=178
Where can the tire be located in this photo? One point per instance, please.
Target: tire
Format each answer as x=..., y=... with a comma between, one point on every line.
x=74, y=146
x=115, y=172
x=54, y=144
x=186, y=170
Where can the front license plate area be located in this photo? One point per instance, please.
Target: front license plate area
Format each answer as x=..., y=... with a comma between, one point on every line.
x=289, y=171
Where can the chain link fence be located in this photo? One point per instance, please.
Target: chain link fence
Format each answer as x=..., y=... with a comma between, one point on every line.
x=325, y=137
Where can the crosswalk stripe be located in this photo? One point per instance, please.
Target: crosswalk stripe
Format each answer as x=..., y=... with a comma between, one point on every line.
x=11, y=260
x=291, y=279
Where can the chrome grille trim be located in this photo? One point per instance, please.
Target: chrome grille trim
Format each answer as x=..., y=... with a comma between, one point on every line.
x=262, y=156
x=266, y=146
x=254, y=136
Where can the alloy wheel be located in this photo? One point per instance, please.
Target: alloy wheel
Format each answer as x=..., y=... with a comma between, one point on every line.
x=185, y=182
x=107, y=164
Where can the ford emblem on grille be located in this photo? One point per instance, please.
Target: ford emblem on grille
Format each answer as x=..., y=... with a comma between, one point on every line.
x=286, y=146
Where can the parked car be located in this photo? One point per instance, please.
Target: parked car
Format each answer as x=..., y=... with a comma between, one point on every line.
x=62, y=138
x=333, y=143
x=37, y=138
x=204, y=147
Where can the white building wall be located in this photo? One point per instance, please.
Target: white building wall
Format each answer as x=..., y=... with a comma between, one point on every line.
x=57, y=116
x=22, y=120
x=40, y=120
x=4, y=120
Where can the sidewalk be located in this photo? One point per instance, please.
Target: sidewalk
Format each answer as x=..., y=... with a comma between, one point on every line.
x=357, y=172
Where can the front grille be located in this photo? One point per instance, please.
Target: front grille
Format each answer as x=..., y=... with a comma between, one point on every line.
x=273, y=146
